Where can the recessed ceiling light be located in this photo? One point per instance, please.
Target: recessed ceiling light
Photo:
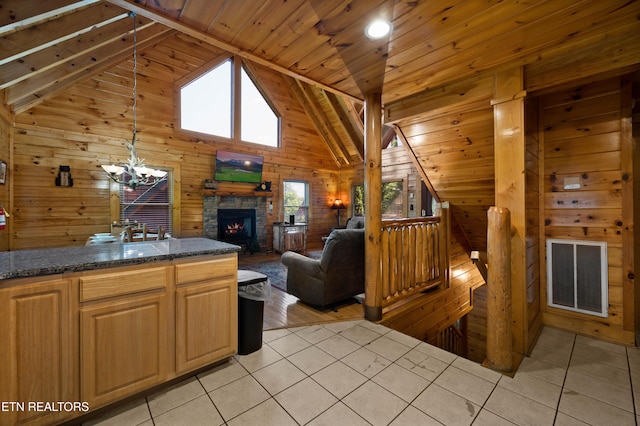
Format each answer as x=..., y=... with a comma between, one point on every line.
x=377, y=29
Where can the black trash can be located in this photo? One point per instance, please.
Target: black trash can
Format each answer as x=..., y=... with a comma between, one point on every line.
x=253, y=289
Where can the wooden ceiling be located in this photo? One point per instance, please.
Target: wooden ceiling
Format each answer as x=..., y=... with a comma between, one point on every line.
x=47, y=45
x=438, y=49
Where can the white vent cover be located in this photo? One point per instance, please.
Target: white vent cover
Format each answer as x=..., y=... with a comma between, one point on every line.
x=577, y=276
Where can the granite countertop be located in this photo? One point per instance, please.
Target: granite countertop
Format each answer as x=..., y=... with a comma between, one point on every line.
x=31, y=263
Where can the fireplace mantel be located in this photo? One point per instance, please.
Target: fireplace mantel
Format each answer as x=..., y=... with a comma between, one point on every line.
x=250, y=193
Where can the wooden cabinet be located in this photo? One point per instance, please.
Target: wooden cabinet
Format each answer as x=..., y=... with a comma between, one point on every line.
x=38, y=349
x=126, y=326
x=290, y=238
x=97, y=337
x=206, y=312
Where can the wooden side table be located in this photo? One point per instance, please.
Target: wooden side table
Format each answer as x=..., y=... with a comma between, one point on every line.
x=290, y=237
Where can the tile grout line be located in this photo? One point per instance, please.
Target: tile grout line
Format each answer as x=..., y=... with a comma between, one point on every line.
x=633, y=397
x=564, y=379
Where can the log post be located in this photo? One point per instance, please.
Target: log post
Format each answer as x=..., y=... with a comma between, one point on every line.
x=373, y=205
x=444, y=240
x=499, y=337
x=510, y=185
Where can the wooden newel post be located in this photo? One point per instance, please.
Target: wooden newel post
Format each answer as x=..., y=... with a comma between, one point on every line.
x=499, y=338
x=373, y=201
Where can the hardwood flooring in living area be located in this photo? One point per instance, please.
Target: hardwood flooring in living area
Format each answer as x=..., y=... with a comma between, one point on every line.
x=286, y=311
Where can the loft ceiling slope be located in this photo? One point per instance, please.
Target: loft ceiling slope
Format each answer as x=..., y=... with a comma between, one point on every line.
x=207, y=38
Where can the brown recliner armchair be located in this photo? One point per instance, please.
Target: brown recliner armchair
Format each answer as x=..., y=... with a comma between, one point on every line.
x=336, y=276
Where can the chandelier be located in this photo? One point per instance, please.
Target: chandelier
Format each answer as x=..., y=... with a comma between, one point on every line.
x=134, y=173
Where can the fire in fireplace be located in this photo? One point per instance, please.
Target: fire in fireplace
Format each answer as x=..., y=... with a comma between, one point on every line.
x=234, y=229
x=238, y=226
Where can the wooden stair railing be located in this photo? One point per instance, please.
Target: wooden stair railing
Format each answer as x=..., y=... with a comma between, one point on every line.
x=414, y=256
x=453, y=340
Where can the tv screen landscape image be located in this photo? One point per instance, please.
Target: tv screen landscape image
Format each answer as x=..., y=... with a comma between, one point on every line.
x=237, y=167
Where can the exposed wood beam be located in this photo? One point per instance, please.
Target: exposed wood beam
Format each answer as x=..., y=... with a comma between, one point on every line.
x=320, y=120
x=324, y=119
x=350, y=122
x=416, y=163
x=22, y=13
x=30, y=92
x=19, y=44
x=207, y=38
x=65, y=51
x=388, y=133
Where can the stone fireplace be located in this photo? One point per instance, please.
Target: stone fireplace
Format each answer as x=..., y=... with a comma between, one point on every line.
x=237, y=226
x=235, y=217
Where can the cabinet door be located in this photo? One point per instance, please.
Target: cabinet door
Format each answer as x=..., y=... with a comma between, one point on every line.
x=206, y=322
x=37, y=350
x=125, y=347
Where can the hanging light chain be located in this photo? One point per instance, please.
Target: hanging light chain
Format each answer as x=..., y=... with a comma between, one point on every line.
x=135, y=71
x=137, y=173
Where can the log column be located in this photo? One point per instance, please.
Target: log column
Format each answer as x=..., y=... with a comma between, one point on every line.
x=373, y=205
x=509, y=137
x=499, y=345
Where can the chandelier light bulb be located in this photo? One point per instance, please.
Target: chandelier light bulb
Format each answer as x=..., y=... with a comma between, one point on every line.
x=113, y=169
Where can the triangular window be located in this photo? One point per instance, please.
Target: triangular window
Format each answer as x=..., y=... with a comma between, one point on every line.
x=207, y=106
x=259, y=123
x=206, y=102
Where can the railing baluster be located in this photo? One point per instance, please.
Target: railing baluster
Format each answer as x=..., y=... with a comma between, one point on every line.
x=385, y=258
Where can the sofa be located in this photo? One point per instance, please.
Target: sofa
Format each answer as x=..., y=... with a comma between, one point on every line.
x=355, y=222
x=336, y=276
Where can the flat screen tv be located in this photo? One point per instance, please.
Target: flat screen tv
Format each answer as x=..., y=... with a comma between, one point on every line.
x=237, y=167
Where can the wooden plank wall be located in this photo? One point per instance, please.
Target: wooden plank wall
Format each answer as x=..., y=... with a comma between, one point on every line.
x=88, y=124
x=5, y=156
x=455, y=149
x=533, y=197
x=581, y=137
x=477, y=325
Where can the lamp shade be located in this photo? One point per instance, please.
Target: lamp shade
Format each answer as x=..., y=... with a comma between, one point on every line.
x=338, y=204
x=113, y=169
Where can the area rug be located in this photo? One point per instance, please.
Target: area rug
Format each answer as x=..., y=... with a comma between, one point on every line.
x=275, y=270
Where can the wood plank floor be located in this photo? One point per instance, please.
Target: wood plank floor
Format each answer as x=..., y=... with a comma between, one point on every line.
x=286, y=310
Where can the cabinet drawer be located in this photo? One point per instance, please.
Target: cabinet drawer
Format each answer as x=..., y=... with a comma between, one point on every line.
x=221, y=266
x=119, y=283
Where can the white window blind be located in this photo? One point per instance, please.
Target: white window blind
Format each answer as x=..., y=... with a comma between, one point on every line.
x=150, y=204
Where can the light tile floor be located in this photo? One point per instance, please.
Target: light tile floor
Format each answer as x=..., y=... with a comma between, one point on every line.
x=360, y=373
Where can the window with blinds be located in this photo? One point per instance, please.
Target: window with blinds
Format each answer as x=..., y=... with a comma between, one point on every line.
x=296, y=200
x=577, y=276
x=150, y=204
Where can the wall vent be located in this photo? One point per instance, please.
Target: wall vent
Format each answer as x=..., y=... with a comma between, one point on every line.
x=577, y=276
